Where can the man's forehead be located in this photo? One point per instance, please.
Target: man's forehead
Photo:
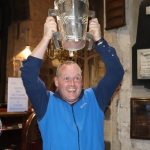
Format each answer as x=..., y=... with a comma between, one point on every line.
x=72, y=72
x=69, y=69
x=70, y=75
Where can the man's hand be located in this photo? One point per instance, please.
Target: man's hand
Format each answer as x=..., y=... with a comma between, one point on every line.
x=95, y=29
x=50, y=27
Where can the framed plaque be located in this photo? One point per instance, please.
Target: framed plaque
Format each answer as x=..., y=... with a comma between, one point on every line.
x=140, y=118
x=143, y=64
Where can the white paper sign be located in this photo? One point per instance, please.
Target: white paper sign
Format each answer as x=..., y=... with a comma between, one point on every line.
x=143, y=64
x=17, y=97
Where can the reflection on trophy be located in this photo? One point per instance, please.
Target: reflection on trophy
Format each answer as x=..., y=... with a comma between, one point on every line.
x=72, y=19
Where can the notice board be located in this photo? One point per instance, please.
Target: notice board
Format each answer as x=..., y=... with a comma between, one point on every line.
x=17, y=97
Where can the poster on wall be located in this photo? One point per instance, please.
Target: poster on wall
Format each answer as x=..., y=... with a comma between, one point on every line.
x=17, y=97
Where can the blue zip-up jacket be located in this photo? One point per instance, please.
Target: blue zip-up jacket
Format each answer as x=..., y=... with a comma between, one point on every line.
x=78, y=126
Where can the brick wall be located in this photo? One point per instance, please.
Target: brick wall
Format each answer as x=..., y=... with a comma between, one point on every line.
x=29, y=32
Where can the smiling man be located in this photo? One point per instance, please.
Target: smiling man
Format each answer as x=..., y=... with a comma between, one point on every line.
x=71, y=118
x=68, y=80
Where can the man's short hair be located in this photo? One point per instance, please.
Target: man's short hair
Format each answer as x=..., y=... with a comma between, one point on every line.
x=68, y=62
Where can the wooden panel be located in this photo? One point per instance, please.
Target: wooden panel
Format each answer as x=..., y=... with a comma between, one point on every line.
x=114, y=22
x=115, y=14
x=113, y=4
x=11, y=132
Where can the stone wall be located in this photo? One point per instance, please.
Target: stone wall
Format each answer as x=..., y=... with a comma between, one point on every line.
x=117, y=129
x=28, y=32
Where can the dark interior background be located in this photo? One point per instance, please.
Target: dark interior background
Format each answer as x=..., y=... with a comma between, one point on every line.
x=18, y=10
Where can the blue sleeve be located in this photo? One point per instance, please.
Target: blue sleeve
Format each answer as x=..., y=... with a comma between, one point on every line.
x=34, y=86
x=113, y=76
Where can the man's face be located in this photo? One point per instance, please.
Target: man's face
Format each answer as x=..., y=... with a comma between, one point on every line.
x=69, y=82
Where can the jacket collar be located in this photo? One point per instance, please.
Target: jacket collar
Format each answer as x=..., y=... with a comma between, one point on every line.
x=57, y=94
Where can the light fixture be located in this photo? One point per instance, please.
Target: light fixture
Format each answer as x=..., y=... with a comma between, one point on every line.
x=61, y=54
x=26, y=52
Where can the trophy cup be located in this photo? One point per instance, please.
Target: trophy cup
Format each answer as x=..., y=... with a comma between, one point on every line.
x=72, y=19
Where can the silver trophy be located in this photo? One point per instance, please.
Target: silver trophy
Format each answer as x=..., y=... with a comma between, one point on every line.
x=72, y=19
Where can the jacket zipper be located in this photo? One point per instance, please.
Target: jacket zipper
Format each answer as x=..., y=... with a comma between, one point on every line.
x=76, y=127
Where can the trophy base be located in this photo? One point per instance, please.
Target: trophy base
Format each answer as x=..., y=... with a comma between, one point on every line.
x=73, y=46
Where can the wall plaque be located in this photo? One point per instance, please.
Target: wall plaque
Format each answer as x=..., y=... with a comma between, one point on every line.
x=140, y=118
x=143, y=64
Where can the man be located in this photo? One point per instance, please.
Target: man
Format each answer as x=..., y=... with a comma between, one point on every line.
x=71, y=118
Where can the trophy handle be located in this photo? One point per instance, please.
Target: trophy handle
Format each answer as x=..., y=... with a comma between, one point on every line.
x=91, y=14
x=52, y=12
x=89, y=37
x=56, y=35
